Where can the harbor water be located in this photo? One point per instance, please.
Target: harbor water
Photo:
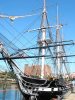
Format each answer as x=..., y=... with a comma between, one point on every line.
x=10, y=93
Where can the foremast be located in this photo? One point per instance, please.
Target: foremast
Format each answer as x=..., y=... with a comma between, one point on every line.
x=43, y=39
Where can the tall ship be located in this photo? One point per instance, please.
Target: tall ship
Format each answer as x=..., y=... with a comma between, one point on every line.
x=50, y=51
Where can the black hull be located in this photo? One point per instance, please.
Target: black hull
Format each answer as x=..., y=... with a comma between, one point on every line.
x=40, y=89
x=42, y=96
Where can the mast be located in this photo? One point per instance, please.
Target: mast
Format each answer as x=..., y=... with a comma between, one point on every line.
x=43, y=38
x=57, y=41
x=59, y=49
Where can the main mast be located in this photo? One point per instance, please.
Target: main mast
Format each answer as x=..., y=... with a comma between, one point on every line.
x=43, y=37
x=58, y=48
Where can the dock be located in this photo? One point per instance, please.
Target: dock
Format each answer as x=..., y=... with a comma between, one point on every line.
x=69, y=96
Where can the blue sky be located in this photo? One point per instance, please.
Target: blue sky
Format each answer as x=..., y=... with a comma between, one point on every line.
x=23, y=7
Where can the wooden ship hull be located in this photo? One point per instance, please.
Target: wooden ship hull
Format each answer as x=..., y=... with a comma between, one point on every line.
x=39, y=89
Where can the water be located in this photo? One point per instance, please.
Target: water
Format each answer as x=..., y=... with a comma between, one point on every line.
x=10, y=93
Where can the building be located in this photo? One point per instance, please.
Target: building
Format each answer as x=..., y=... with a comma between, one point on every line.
x=35, y=70
x=72, y=75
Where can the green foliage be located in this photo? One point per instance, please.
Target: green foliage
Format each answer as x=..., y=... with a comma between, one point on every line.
x=11, y=74
x=7, y=75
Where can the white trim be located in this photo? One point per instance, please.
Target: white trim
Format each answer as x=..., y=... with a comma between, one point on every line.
x=44, y=89
x=55, y=89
